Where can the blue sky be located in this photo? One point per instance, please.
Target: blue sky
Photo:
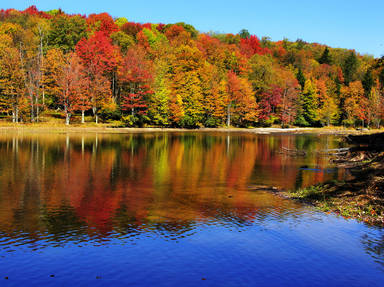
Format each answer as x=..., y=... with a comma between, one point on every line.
x=353, y=24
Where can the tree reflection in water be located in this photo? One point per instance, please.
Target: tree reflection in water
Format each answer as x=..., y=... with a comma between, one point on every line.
x=55, y=187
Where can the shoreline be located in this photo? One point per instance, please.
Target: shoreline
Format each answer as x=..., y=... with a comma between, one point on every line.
x=41, y=128
x=338, y=198
x=362, y=196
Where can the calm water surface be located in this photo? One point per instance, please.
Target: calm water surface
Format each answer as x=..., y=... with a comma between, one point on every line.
x=174, y=209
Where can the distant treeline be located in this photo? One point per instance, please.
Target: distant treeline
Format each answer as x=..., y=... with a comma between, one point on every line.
x=173, y=75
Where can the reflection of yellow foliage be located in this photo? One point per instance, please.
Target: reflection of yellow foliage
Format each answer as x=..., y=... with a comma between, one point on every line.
x=179, y=157
x=150, y=178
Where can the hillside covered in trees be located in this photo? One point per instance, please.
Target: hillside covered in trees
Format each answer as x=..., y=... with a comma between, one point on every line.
x=172, y=75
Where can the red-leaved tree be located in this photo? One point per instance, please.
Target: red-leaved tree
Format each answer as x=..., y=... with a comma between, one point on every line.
x=71, y=84
x=102, y=22
x=135, y=77
x=270, y=102
x=251, y=46
x=99, y=58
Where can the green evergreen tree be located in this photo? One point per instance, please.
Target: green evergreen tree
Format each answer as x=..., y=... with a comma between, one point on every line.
x=300, y=44
x=325, y=58
x=244, y=34
x=350, y=68
x=381, y=77
x=309, y=103
x=300, y=78
x=368, y=82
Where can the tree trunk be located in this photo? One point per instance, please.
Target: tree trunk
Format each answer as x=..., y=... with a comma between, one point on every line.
x=37, y=111
x=82, y=117
x=97, y=118
x=94, y=109
x=32, y=113
x=114, y=86
x=228, y=115
x=41, y=69
x=67, y=118
x=67, y=115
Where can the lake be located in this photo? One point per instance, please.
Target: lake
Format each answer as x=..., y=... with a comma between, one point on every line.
x=174, y=209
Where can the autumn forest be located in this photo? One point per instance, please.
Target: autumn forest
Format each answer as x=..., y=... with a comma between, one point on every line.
x=103, y=69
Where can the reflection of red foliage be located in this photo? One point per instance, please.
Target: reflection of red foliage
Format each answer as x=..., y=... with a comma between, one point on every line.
x=146, y=179
x=95, y=202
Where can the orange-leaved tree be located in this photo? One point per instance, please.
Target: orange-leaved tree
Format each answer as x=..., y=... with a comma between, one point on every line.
x=356, y=104
x=241, y=102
